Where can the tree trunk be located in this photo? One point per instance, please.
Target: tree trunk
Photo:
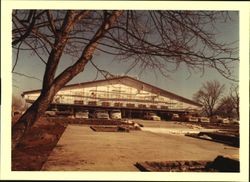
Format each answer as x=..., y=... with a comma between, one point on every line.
x=52, y=85
x=31, y=116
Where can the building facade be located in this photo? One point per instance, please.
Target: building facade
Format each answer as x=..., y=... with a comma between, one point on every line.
x=125, y=93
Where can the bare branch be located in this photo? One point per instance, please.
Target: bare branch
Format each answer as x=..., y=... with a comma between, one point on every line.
x=29, y=28
x=104, y=73
x=17, y=55
x=87, y=53
x=60, y=42
x=28, y=76
x=51, y=22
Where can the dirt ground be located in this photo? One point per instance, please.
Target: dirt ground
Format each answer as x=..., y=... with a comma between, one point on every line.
x=31, y=153
x=82, y=149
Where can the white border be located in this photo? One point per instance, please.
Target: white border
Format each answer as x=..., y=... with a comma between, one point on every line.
x=6, y=8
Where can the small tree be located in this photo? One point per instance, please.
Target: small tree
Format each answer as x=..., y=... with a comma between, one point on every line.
x=209, y=96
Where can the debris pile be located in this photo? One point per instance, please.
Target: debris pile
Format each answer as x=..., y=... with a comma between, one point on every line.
x=220, y=164
x=172, y=166
x=124, y=126
x=221, y=137
x=110, y=128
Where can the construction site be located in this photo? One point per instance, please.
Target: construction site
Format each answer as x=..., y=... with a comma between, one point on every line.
x=116, y=88
x=132, y=97
x=124, y=124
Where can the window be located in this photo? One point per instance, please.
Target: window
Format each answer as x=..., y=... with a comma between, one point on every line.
x=105, y=103
x=78, y=101
x=164, y=107
x=118, y=104
x=142, y=106
x=130, y=105
x=153, y=106
x=92, y=103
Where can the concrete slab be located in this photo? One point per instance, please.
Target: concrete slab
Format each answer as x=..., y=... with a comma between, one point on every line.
x=82, y=149
x=180, y=131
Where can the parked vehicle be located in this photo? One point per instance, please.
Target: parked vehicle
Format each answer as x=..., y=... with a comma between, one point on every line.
x=101, y=114
x=175, y=117
x=218, y=119
x=190, y=118
x=115, y=114
x=64, y=113
x=204, y=119
x=82, y=114
x=151, y=116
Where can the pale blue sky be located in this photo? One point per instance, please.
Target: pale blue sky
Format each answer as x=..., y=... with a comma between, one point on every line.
x=179, y=83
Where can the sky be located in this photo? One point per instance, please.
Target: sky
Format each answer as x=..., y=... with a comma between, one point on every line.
x=180, y=82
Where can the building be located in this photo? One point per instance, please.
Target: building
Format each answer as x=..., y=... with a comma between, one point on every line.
x=132, y=96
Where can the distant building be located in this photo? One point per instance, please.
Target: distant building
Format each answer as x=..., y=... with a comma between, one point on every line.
x=133, y=97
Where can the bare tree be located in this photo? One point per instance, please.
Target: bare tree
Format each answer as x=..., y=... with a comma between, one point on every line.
x=157, y=40
x=209, y=96
x=234, y=95
x=226, y=107
x=229, y=105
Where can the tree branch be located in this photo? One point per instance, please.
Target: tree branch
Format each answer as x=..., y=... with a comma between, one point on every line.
x=17, y=55
x=87, y=53
x=29, y=28
x=60, y=42
x=28, y=76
